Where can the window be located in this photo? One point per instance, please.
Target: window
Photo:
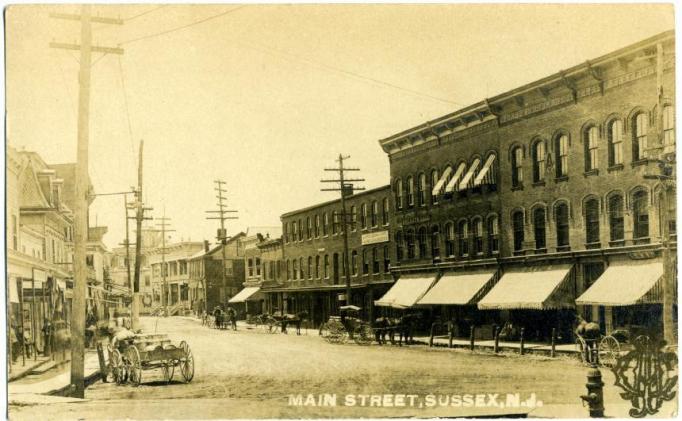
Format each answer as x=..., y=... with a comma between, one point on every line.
x=421, y=239
x=326, y=266
x=317, y=267
x=15, y=233
x=538, y=161
x=385, y=211
x=285, y=232
x=463, y=237
x=668, y=129
x=410, y=191
x=517, y=166
x=309, y=228
x=539, y=228
x=387, y=260
x=615, y=143
x=374, y=215
x=354, y=263
x=375, y=260
x=301, y=275
x=295, y=269
x=325, y=223
x=363, y=216
x=335, y=223
x=294, y=231
x=147, y=280
x=365, y=262
x=317, y=226
x=435, y=242
x=409, y=240
x=353, y=218
x=493, y=235
x=399, y=245
x=399, y=194
x=422, y=189
x=562, y=227
x=250, y=265
x=477, y=234
x=300, y=230
x=450, y=239
x=310, y=267
x=640, y=215
x=591, y=148
x=561, y=152
x=288, y=270
x=639, y=132
x=592, y=221
x=518, y=230
x=434, y=181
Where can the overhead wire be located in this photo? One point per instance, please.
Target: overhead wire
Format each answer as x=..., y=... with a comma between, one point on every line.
x=125, y=102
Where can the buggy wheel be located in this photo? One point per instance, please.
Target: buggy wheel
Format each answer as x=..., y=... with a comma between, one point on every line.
x=168, y=370
x=581, y=347
x=609, y=351
x=363, y=335
x=187, y=362
x=116, y=367
x=272, y=326
x=134, y=369
x=336, y=333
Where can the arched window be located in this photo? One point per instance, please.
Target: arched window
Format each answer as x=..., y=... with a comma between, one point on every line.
x=493, y=235
x=592, y=221
x=353, y=218
x=518, y=230
x=317, y=267
x=640, y=213
x=410, y=191
x=363, y=216
x=449, y=239
x=399, y=194
x=562, y=227
x=310, y=267
x=517, y=166
x=434, y=181
x=463, y=238
x=326, y=266
x=561, y=153
x=421, y=239
x=615, y=130
x=294, y=231
x=539, y=228
x=354, y=263
x=422, y=189
x=539, y=161
x=409, y=241
x=375, y=261
x=309, y=228
x=668, y=129
x=374, y=214
x=317, y=226
x=385, y=211
x=365, y=262
x=435, y=242
x=325, y=223
x=300, y=268
x=300, y=230
x=591, y=141
x=295, y=269
x=639, y=136
x=477, y=234
x=335, y=222
x=387, y=260
x=288, y=269
x=399, y=245
x=616, y=220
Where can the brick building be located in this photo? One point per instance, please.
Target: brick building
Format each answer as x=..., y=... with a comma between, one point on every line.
x=313, y=258
x=512, y=208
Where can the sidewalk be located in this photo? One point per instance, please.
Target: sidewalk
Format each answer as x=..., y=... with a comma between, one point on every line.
x=52, y=383
x=530, y=348
x=19, y=370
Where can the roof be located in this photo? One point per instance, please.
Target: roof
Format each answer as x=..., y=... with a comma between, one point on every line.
x=265, y=231
x=319, y=205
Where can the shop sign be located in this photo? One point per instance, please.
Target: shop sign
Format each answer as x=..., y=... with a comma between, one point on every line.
x=375, y=237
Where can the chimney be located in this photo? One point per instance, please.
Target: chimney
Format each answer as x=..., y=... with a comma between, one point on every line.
x=206, y=248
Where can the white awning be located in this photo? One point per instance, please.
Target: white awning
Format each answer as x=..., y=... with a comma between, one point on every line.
x=486, y=175
x=13, y=291
x=537, y=288
x=455, y=178
x=459, y=288
x=469, y=175
x=626, y=283
x=407, y=291
x=244, y=295
x=441, y=181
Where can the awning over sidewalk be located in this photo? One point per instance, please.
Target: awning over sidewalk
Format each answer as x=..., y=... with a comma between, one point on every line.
x=626, y=283
x=245, y=294
x=536, y=288
x=462, y=288
x=407, y=291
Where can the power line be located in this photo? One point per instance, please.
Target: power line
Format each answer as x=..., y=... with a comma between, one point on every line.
x=125, y=101
x=227, y=12
x=145, y=13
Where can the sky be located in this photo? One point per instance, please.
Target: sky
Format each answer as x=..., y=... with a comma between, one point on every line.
x=266, y=97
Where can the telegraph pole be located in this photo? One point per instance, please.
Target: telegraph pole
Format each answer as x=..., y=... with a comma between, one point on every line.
x=126, y=244
x=346, y=190
x=164, y=273
x=222, y=232
x=82, y=186
x=139, y=217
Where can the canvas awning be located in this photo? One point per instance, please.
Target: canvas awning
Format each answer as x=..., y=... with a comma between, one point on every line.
x=455, y=178
x=468, y=177
x=486, y=175
x=441, y=182
x=626, y=283
x=407, y=291
x=13, y=291
x=537, y=288
x=244, y=295
x=459, y=288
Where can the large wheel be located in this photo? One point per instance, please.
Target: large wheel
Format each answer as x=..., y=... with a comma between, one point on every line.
x=116, y=367
x=363, y=335
x=581, y=347
x=271, y=325
x=187, y=362
x=168, y=370
x=609, y=351
x=336, y=333
x=134, y=367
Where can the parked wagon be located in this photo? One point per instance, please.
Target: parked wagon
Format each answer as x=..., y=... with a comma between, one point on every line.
x=607, y=349
x=340, y=329
x=144, y=352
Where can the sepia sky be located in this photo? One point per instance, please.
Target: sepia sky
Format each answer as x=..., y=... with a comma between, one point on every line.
x=265, y=97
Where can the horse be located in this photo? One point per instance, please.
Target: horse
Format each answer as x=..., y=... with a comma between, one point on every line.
x=295, y=320
x=231, y=317
x=383, y=326
x=405, y=328
x=589, y=331
x=219, y=318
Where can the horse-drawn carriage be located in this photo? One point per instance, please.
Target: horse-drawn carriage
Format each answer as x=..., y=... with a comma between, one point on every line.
x=220, y=319
x=130, y=356
x=347, y=326
x=271, y=322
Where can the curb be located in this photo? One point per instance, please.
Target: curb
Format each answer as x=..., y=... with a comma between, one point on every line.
x=27, y=371
x=64, y=390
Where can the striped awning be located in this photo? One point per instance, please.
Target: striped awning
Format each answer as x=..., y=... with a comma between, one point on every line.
x=468, y=179
x=407, y=291
x=461, y=288
x=486, y=175
x=441, y=182
x=536, y=288
x=455, y=178
x=626, y=283
x=248, y=293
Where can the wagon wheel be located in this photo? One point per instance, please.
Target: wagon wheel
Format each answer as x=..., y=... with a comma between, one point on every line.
x=272, y=325
x=168, y=370
x=609, y=351
x=134, y=368
x=336, y=333
x=363, y=335
x=581, y=347
x=116, y=367
x=187, y=362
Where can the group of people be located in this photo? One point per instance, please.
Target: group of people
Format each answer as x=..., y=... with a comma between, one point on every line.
x=223, y=318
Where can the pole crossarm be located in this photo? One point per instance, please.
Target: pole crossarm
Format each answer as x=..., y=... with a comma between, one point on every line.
x=94, y=48
x=95, y=19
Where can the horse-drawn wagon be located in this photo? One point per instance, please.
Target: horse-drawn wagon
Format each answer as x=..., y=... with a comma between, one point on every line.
x=347, y=326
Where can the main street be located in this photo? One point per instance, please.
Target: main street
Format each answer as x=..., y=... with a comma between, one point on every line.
x=252, y=374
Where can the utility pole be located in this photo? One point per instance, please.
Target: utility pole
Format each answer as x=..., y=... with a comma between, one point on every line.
x=222, y=232
x=346, y=190
x=126, y=244
x=139, y=217
x=164, y=273
x=82, y=186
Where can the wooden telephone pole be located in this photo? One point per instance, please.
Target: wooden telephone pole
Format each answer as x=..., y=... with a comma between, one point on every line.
x=139, y=217
x=165, y=296
x=346, y=189
x=82, y=186
x=222, y=232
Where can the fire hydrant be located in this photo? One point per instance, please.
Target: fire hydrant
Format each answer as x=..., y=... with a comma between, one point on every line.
x=595, y=392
